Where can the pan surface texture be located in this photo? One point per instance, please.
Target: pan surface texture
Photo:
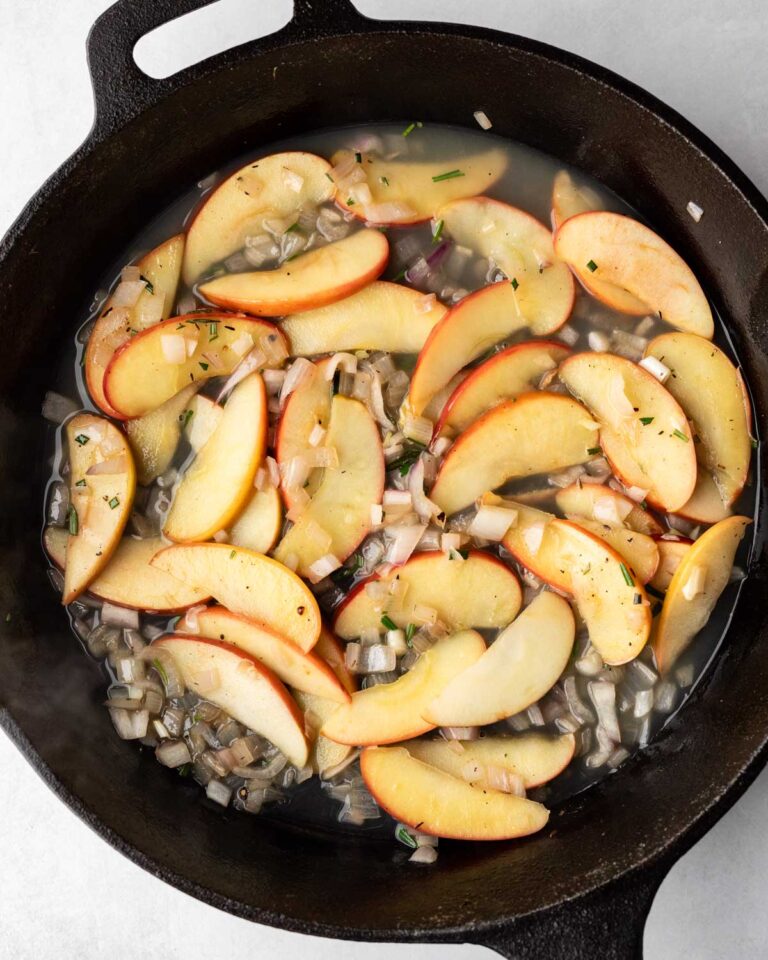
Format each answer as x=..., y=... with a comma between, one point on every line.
x=583, y=888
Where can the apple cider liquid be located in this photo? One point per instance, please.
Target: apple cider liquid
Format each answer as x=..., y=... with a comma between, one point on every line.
x=423, y=257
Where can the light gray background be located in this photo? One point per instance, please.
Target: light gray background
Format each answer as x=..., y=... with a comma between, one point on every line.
x=63, y=892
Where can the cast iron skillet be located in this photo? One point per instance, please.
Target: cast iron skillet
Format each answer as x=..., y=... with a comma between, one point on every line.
x=583, y=889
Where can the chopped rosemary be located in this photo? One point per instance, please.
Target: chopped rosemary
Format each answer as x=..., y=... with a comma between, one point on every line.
x=406, y=459
x=81, y=483
x=679, y=434
x=232, y=554
x=409, y=632
x=82, y=439
x=148, y=283
x=627, y=575
x=388, y=623
x=514, y=283
x=448, y=175
x=185, y=416
x=404, y=837
x=114, y=502
x=203, y=365
x=646, y=420
x=384, y=180
x=438, y=231
x=213, y=331
x=294, y=227
x=72, y=521
x=358, y=157
x=350, y=201
x=161, y=671
x=593, y=450
x=411, y=127
x=591, y=266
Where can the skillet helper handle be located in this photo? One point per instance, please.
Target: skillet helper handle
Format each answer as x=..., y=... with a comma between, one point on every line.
x=607, y=924
x=121, y=89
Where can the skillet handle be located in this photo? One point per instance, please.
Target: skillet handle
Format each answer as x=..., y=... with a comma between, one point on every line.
x=121, y=89
x=607, y=924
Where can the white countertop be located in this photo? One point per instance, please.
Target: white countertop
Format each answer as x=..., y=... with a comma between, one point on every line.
x=65, y=893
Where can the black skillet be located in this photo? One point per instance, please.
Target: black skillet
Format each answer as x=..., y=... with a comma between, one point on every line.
x=583, y=889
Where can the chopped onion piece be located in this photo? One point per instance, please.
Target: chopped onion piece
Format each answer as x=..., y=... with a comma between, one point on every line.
x=397, y=498
x=603, y=696
x=424, y=614
x=253, y=361
x=127, y=293
x=425, y=304
x=218, y=792
x=361, y=193
x=441, y=446
x=208, y=680
x=404, y=540
x=300, y=501
x=119, y=616
x=56, y=408
x=151, y=311
x=606, y=510
x=696, y=583
x=274, y=471
x=694, y=211
x=643, y=703
x=296, y=374
x=656, y=368
x=173, y=753
x=174, y=347
x=295, y=472
x=450, y=542
x=377, y=514
x=482, y=118
x=507, y=781
x=323, y=567
x=492, y=523
x=221, y=536
x=316, y=435
x=130, y=274
x=418, y=429
x=460, y=733
x=568, y=334
x=344, y=361
x=425, y=508
x=590, y=664
x=533, y=535
x=396, y=640
x=242, y=344
x=391, y=212
x=598, y=341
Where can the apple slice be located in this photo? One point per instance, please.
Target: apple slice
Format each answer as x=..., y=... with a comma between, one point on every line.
x=220, y=479
x=695, y=588
x=102, y=482
x=311, y=280
x=258, y=525
x=155, y=436
x=505, y=376
x=595, y=501
x=381, y=316
x=243, y=688
x=671, y=553
x=709, y=389
x=144, y=372
x=479, y=592
x=418, y=187
x=202, y=419
x=434, y=802
x=341, y=506
x=706, y=505
x=537, y=433
x=128, y=580
x=394, y=711
x=324, y=754
x=302, y=671
x=643, y=431
x=619, y=251
x=637, y=549
x=329, y=648
x=247, y=583
x=539, y=300
x=519, y=667
x=160, y=269
x=535, y=757
x=274, y=187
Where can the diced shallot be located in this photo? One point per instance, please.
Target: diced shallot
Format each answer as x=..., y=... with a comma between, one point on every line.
x=460, y=733
x=173, y=753
x=296, y=374
x=344, y=361
x=696, y=583
x=492, y=523
x=174, y=348
x=418, y=429
x=656, y=368
x=403, y=542
x=323, y=567
x=603, y=696
x=119, y=616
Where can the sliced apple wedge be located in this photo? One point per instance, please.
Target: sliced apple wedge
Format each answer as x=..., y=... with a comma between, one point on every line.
x=310, y=280
x=155, y=436
x=394, y=711
x=324, y=754
x=160, y=269
x=616, y=250
x=274, y=187
x=329, y=648
x=434, y=802
x=671, y=553
x=598, y=502
x=153, y=366
x=536, y=757
x=706, y=505
x=695, y=588
x=257, y=526
x=537, y=433
x=203, y=418
x=638, y=549
x=243, y=687
x=247, y=583
x=709, y=389
x=519, y=667
x=505, y=376
x=128, y=580
x=643, y=430
x=300, y=670
x=417, y=189
x=481, y=592
x=220, y=479
x=539, y=300
x=381, y=316
x=102, y=482
x=341, y=506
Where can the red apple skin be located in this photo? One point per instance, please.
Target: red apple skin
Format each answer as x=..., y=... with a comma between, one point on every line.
x=276, y=684
x=484, y=367
x=415, y=558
